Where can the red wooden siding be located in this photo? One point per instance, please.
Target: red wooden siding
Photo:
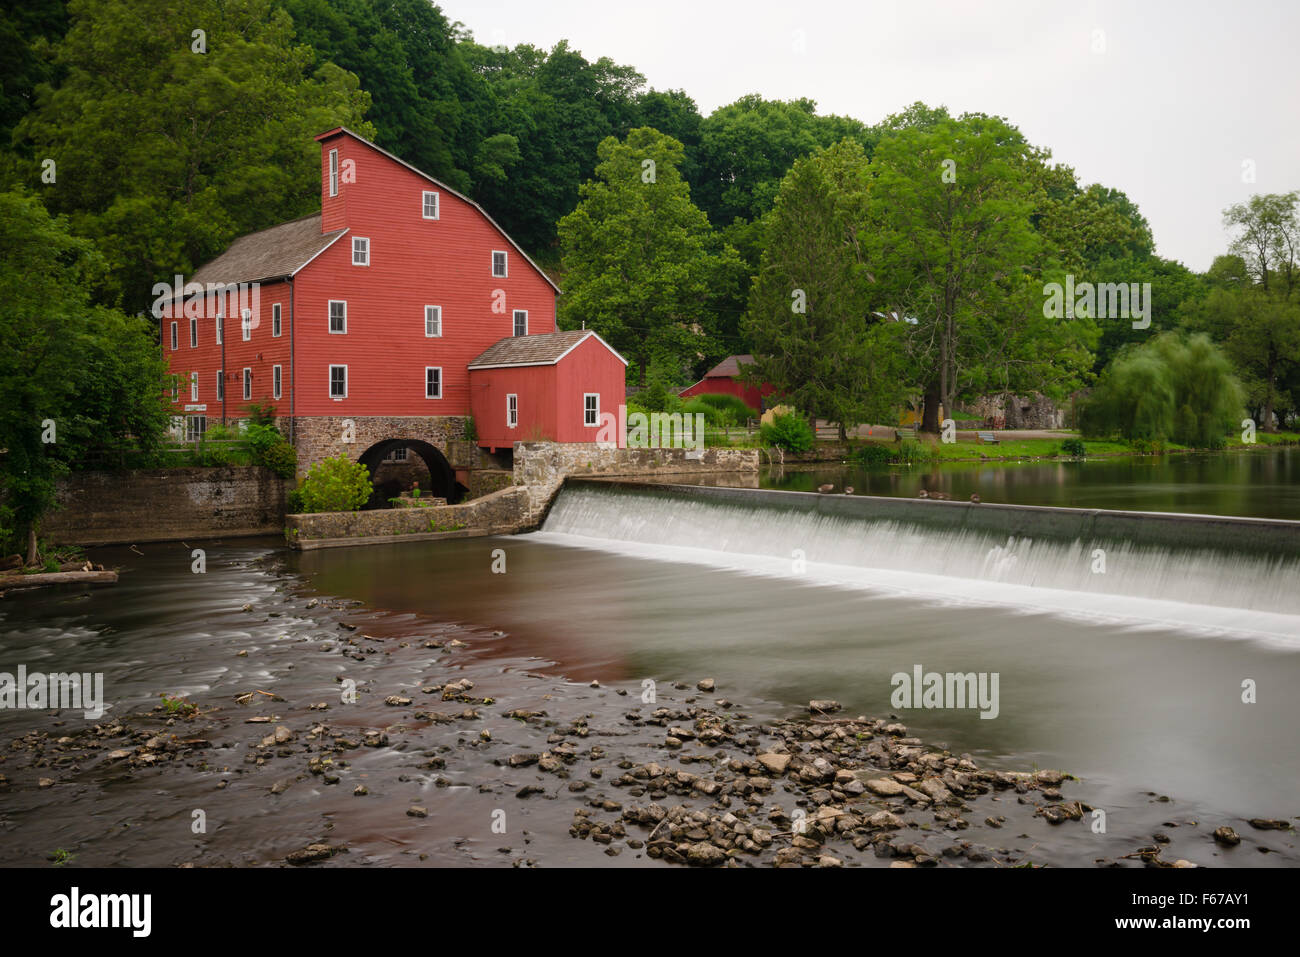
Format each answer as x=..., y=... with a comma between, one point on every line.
x=414, y=262
x=260, y=353
x=751, y=395
x=550, y=397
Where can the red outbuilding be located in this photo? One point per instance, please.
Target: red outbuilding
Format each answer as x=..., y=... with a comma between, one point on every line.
x=723, y=378
x=551, y=387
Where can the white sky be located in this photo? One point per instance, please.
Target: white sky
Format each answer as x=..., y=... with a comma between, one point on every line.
x=1182, y=93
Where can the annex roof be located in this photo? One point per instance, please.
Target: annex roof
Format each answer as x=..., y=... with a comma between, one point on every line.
x=546, y=349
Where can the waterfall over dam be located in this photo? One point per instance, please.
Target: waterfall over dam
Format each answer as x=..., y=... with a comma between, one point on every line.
x=1195, y=572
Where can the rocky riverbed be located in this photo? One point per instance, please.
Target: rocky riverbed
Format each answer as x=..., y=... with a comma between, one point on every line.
x=330, y=735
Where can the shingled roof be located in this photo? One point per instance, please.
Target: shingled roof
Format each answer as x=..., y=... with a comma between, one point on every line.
x=540, y=350
x=729, y=367
x=269, y=254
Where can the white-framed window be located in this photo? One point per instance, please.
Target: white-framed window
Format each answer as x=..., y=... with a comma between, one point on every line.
x=360, y=251
x=334, y=172
x=521, y=322
x=276, y=380
x=221, y=321
x=175, y=340
x=176, y=388
x=194, y=333
x=433, y=382
x=248, y=383
x=429, y=205
x=433, y=321
x=221, y=384
x=246, y=324
x=338, y=382
x=194, y=387
x=275, y=319
x=195, y=426
x=591, y=409
x=397, y=455
x=512, y=410
x=338, y=316
x=499, y=263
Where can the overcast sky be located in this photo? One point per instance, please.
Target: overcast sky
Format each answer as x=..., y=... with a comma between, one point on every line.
x=1164, y=99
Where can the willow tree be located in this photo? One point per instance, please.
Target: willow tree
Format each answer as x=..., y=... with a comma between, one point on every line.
x=1172, y=388
x=810, y=319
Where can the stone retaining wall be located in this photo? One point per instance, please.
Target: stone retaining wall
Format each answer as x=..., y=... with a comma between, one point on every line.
x=160, y=505
x=541, y=467
x=500, y=513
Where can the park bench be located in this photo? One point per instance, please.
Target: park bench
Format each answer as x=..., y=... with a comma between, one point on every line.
x=988, y=438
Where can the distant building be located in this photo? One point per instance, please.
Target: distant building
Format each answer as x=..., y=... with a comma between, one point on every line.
x=723, y=378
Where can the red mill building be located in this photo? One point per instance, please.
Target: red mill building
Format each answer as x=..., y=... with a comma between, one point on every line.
x=380, y=323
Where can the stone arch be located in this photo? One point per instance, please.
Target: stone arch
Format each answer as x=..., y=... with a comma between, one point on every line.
x=442, y=476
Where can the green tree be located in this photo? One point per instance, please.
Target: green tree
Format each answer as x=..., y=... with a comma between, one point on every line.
x=1174, y=387
x=1267, y=237
x=73, y=376
x=427, y=105
x=555, y=107
x=641, y=265
x=810, y=319
x=169, y=142
x=953, y=247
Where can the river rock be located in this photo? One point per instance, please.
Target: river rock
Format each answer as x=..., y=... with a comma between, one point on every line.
x=1227, y=836
x=706, y=684
x=824, y=706
x=311, y=853
x=885, y=787
x=702, y=854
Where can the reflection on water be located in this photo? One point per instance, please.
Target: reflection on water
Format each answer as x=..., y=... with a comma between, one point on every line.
x=1264, y=483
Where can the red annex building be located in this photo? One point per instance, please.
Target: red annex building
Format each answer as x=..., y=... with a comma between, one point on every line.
x=360, y=325
x=722, y=378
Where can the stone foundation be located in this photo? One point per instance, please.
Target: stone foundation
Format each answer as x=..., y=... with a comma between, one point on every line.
x=321, y=437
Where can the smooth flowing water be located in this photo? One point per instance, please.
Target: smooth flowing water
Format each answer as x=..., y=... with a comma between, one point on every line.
x=1132, y=680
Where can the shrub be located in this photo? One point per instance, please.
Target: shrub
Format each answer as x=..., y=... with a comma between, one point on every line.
x=712, y=414
x=1074, y=448
x=261, y=413
x=281, y=459
x=872, y=456
x=733, y=408
x=335, y=485
x=911, y=452
x=790, y=432
x=471, y=429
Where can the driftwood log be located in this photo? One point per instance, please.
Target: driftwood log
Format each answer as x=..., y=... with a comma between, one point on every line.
x=57, y=578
